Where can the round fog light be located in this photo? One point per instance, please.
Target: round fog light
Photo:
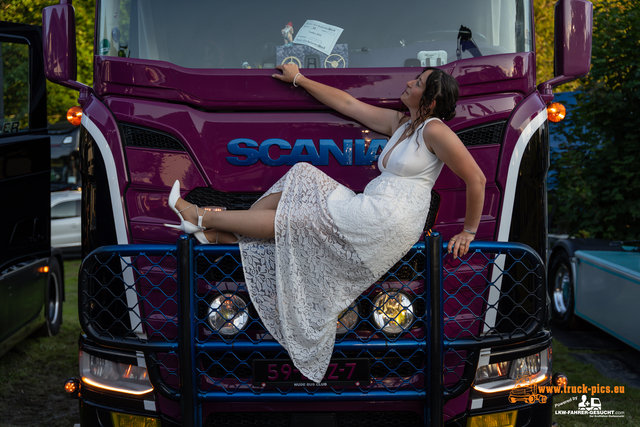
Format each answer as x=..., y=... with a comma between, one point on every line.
x=393, y=312
x=228, y=314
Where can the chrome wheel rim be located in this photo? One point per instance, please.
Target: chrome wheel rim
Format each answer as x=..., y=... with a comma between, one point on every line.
x=54, y=300
x=562, y=290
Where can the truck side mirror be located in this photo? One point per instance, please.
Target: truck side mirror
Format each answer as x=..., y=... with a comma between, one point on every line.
x=573, y=28
x=59, y=44
x=572, y=43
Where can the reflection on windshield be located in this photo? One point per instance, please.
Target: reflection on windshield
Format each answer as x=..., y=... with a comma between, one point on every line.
x=328, y=34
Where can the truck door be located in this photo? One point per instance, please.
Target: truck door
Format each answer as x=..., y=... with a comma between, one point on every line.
x=24, y=176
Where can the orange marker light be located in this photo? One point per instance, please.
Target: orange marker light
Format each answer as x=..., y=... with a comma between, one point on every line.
x=43, y=269
x=560, y=380
x=74, y=115
x=556, y=112
x=70, y=386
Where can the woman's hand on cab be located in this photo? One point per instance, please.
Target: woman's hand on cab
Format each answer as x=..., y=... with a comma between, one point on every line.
x=289, y=72
x=459, y=244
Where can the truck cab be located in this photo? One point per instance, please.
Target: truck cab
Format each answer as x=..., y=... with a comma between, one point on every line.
x=187, y=93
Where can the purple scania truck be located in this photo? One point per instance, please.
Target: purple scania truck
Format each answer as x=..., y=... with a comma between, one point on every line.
x=183, y=90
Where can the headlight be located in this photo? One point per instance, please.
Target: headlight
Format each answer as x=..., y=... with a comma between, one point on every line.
x=228, y=314
x=503, y=376
x=393, y=312
x=348, y=319
x=492, y=372
x=114, y=376
x=525, y=366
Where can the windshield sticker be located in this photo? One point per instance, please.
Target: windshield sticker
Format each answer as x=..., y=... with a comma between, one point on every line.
x=105, y=46
x=434, y=58
x=318, y=35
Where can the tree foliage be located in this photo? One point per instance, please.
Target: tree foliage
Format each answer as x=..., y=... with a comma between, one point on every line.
x=597, y=172
x=543, y=17
x=15, y=74
x=59, y=98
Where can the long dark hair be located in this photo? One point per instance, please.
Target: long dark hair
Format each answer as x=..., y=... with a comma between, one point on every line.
x=441, y=88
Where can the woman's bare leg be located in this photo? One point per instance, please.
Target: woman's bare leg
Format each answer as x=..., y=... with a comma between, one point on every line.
x=270, y=202
x=214, y=236
x=257, y=222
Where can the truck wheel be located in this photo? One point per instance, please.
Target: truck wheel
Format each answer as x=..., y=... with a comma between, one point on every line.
x=53, y=300
x=561, y=290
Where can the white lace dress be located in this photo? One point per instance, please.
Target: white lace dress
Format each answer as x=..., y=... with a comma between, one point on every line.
x=331, y=245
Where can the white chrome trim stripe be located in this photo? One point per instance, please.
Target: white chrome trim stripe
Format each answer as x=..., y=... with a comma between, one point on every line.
x=112, y=179
x=507, y=214
x=512, y=174
x=119, y=221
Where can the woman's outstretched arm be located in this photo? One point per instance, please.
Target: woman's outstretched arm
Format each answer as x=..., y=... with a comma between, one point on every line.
x=381, y=120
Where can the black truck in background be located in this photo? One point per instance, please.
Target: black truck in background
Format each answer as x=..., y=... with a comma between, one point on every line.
x=31, y=273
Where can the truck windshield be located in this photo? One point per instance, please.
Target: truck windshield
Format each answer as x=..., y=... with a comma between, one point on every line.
x=314, y=34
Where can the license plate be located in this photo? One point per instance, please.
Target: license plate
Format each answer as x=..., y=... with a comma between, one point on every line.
x=282, y=373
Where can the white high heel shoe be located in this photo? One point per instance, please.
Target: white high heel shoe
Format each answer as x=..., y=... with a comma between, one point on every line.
x=185, y=226
x=202, y=238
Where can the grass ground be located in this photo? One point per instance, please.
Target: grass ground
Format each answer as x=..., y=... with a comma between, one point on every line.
x=584, y=374
x=32, y=375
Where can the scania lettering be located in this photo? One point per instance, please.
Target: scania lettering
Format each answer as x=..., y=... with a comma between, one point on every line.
x=304, y=150
x=184, y=90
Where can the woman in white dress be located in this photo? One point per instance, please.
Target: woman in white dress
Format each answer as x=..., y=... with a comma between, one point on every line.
x=311, y=246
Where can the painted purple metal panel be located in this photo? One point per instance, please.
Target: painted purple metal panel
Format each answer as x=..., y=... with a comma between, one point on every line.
x=256, y=89
x=158, y=169
x=147, y=232
x=452, y=212
x=206, y=136
x=484, y=108
x=513, y=72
